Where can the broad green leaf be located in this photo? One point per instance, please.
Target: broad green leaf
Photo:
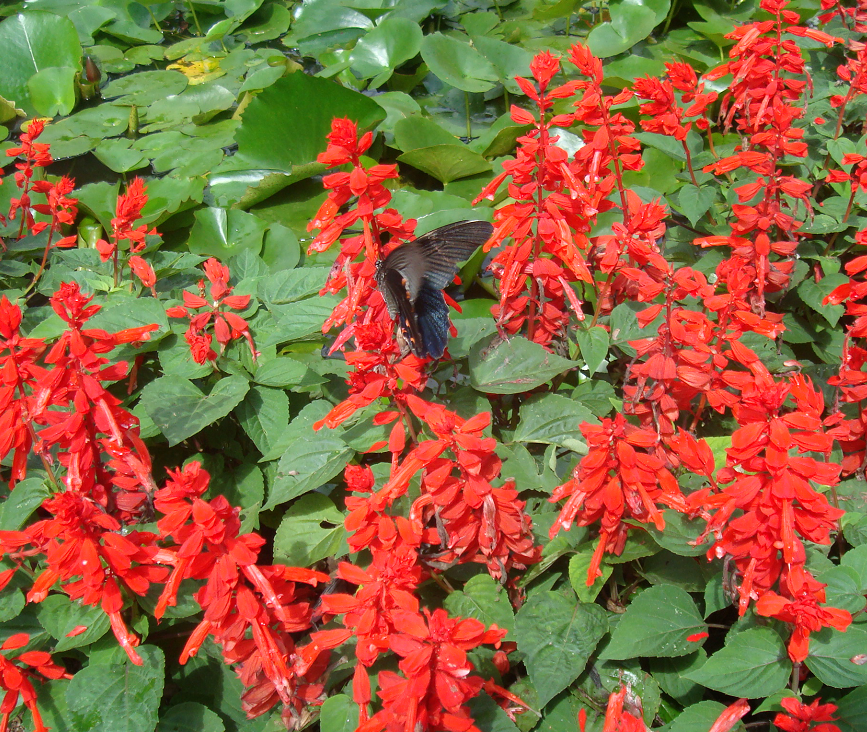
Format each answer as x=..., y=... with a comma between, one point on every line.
x=851, y=714
x=60, y=616
x=630, y=23
x=812, y=294
x=378, y=53
x=338, y=714
x=488, y=715
x=180, y=409
x=446, y=162
x=145, y=87
x=11, y=603
x=657, y=623
x=51, y=703
x=280, y=372
x=223, y=233
x=844, y=588
x=20, y=504
x=52, y=90
x=509, y=60
x=753, y=664
x=118, y=697
x=695, y=201
x=416, y=132
x=856, y=559
x=458, y=64
x=697, y=718
x=513, y=366
x=311, y=530
x=832, y=653
x=190, y=717
x=553, y=419
x=579, y=566
x=668, y=673
x=678, y=534
x=311, y=458
x=281, y=130
x=264, y=414
x=593, y=343
x=32, y=42
x=624, y=327
x=298, y=320
x=118, y=155
x=483, y=599
x=293, y=285
x=557, y=634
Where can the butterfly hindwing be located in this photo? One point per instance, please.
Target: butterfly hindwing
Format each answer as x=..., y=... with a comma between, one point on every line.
x=413, y=276
x=432, y=315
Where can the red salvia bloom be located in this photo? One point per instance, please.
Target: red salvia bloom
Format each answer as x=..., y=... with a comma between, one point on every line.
x=15, y=679
x=36, y=155
x=800, y=717
x=613, y=481
x=216, y=315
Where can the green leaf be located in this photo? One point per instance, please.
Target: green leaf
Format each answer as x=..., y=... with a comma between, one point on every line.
x=377, y=54
x=411, y=133
x=118, y=155
x=190, y=717
x=509, y=60
x=264, y=414
x=20, y=504
x=280, y=372
x=118, y=697
x=851, y=714
x=483, y=599
x=812, y=293
x=679, y=533
x=223, y=233
x=557, y=634
x=311, y=460
x=579, y=566
x=668, y=673
x=514, y=366
x=293, y=284
x=657, y=623
x=855, y=558
x=624, y=327
x=52, y=90
x=180, y=409
x=831, y=654
x=844, y=588
x=446, y=162
x=458, y=64
x=553, y=419
x=145, y=87
x=59, y=616
x=32, y=42
x=593, y=343
x=753, y=664
x=488, y=715
x=282, y=130
x=697, y=718
x=630, y=23
x=338, y=714
x=311, y=530
x=695, y=201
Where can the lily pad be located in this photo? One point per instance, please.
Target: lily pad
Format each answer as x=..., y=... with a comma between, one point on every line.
x=393, y=42
x=458, y=64
x=446, y=162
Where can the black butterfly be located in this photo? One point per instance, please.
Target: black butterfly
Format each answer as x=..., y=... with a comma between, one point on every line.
x=413, y=276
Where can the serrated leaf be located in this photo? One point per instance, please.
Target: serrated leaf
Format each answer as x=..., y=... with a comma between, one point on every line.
x=180, y=409
x=753, y=665
x=312, y=529
x=695, y=201
x=832, y=653
x=579, y=566
x=552, y=419
x=118, y=697
x=338, y=714
x=306, y=465
x=484, y=599
x=264, y=414
x=557, y=634
x=657, y=623
x=59, y=616
x=24, y=499
x=513, y=366
x=812, y=294
x=190, y=717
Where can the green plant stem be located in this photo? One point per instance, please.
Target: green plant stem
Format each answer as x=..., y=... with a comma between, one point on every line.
x=195, y=17
x=154, y=19
x=670, y=16
x=469, y=124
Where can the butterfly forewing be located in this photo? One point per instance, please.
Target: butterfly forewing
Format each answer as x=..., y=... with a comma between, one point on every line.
x=413, y=276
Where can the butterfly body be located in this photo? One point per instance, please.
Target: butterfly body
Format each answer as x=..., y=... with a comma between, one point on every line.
x=413, y=276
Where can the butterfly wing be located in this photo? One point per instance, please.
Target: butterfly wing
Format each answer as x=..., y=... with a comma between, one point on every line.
x=445, y=247
x=432, y=315
x=413, y=276
x=393, y=286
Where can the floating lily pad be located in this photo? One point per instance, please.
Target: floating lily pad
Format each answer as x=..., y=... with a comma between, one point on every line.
x=458, y=64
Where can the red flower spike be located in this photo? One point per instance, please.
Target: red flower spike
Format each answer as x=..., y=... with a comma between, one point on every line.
x=800, y=717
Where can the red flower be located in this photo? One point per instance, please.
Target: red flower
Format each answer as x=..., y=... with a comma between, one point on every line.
x=800, y=717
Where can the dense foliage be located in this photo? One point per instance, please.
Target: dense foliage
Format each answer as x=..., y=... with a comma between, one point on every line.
x=632, y=493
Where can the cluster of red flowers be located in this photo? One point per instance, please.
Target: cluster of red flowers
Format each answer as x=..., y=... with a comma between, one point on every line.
x=214, y=316
x=127, y=211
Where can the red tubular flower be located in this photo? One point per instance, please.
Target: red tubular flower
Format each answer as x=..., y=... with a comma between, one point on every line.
x=36, y=155
x=613, y=481
x=800, y=717
x=731, y=716
x=216, y=315
x=438, y=681
x=15, y=679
